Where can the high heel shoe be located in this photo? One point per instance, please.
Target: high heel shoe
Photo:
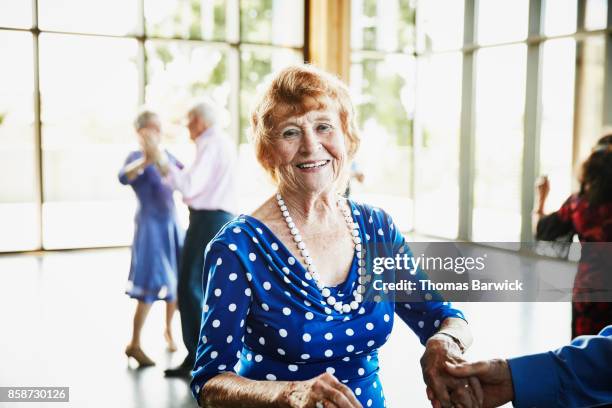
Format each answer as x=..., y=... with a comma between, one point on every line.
x=170, y=344
x=137, y=354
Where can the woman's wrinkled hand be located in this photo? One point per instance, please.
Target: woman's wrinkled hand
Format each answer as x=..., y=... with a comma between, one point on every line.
x=322, y=391
x=444, y=390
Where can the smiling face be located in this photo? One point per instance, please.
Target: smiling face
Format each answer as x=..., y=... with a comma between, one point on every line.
x=309, y=149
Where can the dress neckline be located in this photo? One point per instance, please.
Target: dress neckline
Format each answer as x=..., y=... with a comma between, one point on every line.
x=339, y=288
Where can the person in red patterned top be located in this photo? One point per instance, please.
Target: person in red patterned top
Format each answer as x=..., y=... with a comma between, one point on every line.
x=587, y=214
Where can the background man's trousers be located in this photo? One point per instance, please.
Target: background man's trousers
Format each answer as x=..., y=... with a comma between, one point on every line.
x=203, y=226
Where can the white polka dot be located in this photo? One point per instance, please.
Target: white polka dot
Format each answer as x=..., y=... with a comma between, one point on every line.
x=286, y=311
x=229, y=339
x=216, y=323
x=421, y=324
x=267, y=285
x=286, y=270
x=329, y=318
x=330, y=370
x=305, y=356
x=361, y=371
x=347, y=358
x=355, y=212
x=232, y=307
x=369, y=403
x=213, y=354
x=255, y=240
x=291, y=260
x=282, y=332
x=281, y=351
x=328, y=353
x=329, y=336
x=270, y=377
x=237, y=230
x=380, y=232
x=242, y=323
x=232, y=276
x=204, y=339
x=374, y=384
x=436, y=323
x=262, y=341
x=259, y=230
x=357, y=391
x=369, y=326
x=249, y=357
x=350, y=332
x=249, y=276
x=205, y=308
x=222, y=367
x=292, y=367
x=232, y=247
x=258, y=358
x=219, y=261
x=306, y=337
x=247, y=291
x=386, y=317
x=350, y=348
x=265, y=307
x=371, y=343
x=217, y=292
x=252, y=256
x=274, y=246
x=309, y=316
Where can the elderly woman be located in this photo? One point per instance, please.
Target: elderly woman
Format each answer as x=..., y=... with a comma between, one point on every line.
x=287, y=320
x=157, y=236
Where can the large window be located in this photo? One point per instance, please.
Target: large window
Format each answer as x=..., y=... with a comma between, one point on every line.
x=461, y=104
x=500, y=103
x=19, y=194
x=470, y=116
x=382, y=81
x=94, y=63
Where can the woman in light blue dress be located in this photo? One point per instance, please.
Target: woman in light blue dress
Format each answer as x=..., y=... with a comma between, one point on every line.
x=157, y=237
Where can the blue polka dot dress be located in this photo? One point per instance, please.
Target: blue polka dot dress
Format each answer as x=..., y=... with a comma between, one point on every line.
x=265, y=319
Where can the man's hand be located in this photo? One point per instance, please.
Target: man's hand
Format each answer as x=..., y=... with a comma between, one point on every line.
x=444, y=390
x=494, y=376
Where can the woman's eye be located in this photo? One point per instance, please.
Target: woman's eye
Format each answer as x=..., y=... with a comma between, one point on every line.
x=324, y=128
x=290, y=133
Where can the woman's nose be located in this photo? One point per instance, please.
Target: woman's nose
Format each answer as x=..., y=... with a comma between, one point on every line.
x=310, y=142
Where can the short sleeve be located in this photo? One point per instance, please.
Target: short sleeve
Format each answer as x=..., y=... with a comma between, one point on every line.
x=426, y=310
x=226, y=306
x=123, y=179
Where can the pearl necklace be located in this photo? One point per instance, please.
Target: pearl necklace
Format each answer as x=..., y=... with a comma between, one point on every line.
x=312, y=272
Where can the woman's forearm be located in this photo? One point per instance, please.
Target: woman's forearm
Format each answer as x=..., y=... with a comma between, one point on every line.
x=231, y=390
x=133, y=169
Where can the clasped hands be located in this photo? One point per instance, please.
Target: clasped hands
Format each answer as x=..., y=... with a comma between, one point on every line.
x=452, y=382
x=150, y=142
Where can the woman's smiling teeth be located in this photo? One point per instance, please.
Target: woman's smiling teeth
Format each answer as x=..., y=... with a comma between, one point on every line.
x=314, y=164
